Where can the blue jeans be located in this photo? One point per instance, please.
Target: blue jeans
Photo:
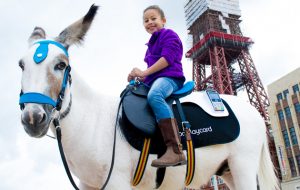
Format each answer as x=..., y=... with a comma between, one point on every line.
x=161, y=89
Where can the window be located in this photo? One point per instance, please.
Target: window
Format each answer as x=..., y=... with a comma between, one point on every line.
x=295, y=88
x=288, y=113
x=292, y=167
x=280, y=115
x=285, y=93
x=293, y=136
x=279, y=97
x=297, y=107
x=286, y=139
x=298, y=163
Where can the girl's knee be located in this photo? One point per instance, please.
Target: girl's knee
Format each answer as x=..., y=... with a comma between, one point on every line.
x=154, y=95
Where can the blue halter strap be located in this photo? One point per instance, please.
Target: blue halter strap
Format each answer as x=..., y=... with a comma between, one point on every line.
x=35, y=97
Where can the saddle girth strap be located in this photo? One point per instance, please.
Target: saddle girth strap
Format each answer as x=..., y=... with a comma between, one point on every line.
x=140, y=168
x=190, y=167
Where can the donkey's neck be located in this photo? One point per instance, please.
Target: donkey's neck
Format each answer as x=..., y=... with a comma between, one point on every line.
x=91, y=114
x=87, y=131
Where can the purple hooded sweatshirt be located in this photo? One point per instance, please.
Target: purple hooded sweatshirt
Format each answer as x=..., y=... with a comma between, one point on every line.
x=165, y=43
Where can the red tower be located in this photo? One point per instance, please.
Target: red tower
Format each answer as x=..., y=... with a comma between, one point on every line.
x=220, y=53
x=218, y=44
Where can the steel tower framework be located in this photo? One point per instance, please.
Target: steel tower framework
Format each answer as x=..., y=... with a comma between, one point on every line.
x=220, y=54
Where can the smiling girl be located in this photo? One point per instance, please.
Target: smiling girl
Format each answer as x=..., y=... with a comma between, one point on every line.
x=164, y=75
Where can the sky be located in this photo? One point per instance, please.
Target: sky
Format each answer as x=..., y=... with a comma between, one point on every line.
x=113, y=46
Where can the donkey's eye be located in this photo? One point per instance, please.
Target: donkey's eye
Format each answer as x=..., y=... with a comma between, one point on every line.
x=60, y=66
x=21, y=65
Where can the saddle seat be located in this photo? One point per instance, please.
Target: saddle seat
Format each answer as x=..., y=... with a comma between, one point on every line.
x=187, y=88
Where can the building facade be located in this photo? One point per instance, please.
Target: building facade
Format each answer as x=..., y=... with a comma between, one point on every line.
x=284, y=110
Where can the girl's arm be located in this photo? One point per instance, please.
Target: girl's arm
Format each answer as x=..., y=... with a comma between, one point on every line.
x=159, y=65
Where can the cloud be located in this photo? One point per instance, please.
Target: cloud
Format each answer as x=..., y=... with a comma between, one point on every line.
x=273, y=27
x=34, y=165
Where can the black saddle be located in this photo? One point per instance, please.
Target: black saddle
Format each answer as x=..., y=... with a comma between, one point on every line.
x=138, y=122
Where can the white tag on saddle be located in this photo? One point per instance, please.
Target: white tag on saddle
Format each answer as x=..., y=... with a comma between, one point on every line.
x=202, y=99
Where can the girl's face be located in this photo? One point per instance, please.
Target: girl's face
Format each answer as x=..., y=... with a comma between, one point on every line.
x=153, y=21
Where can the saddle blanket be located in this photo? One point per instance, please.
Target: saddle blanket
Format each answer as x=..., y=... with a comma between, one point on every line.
x=137, y=123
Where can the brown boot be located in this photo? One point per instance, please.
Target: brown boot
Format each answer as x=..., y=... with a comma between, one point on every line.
x=174, y=155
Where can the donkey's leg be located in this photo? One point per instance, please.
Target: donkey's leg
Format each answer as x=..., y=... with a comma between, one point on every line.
x=119, y=179
x=110, y=186
x=83, y=186
x=228, y=179
x=243, y=171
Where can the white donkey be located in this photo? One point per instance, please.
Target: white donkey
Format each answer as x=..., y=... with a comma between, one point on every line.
x=87, y=122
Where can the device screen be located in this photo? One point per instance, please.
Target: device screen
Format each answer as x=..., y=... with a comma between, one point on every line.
x=215, y=100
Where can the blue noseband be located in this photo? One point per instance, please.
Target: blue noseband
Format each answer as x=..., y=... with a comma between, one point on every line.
x=39, y=56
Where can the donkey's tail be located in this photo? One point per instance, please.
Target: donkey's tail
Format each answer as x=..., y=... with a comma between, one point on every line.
x=266, y=174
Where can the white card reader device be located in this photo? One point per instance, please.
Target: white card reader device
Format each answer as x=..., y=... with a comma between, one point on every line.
x=215, y=100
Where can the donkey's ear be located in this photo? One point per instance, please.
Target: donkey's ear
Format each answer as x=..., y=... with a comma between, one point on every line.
x=38, y=33
x=74, y=34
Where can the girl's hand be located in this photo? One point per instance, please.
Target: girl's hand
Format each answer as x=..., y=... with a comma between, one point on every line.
x=136, y=72
x=130, y=78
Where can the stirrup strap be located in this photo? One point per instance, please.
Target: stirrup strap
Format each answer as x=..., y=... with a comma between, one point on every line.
x=139, y=171
x=190, y=167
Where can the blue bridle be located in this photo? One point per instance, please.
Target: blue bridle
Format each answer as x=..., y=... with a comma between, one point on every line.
x=40, y=55
x=41, y=52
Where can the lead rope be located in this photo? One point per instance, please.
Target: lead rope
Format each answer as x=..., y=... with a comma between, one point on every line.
x=61, y=150
x=58, y=134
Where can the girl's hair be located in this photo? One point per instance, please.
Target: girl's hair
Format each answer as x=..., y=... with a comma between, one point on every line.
x=156, y=7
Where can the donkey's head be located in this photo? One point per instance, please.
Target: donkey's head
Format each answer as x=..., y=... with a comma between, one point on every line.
x=45, y=76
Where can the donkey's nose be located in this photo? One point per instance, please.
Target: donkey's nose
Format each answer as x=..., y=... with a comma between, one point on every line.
x=34, y=117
